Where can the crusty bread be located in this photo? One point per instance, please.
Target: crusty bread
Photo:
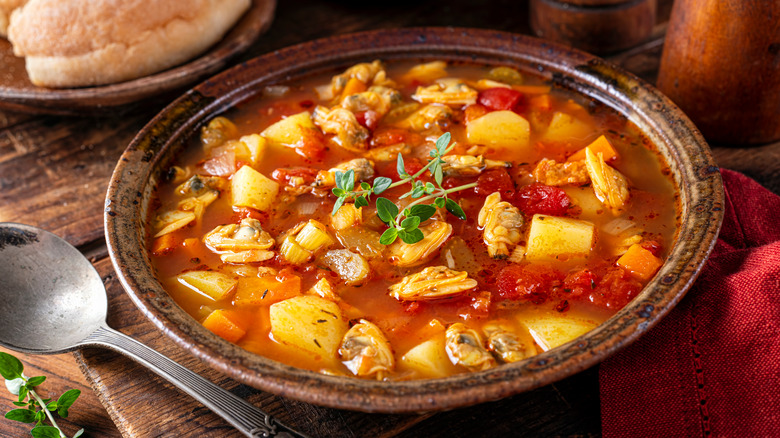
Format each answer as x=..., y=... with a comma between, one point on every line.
x=71, y=43
x=6, y=7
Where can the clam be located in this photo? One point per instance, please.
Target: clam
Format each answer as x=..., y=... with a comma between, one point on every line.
x=465, y=347
x=245, y=242
x=412, y=254
x=501, y=222
x=366, y=351
x=505, y=343
x=431, y=283
x=350, y=134
x=469, y=165
x=610, y=185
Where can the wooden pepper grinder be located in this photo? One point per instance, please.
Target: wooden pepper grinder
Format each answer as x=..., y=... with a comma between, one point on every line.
x=596, y=26
x=721, y=65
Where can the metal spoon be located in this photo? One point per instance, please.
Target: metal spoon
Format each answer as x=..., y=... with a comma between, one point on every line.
x=52, y=300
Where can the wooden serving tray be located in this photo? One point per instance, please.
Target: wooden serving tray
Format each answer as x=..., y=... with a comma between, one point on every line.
x=144, y=405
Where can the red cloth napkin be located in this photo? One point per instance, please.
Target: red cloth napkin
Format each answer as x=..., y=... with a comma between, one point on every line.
x=711, y=367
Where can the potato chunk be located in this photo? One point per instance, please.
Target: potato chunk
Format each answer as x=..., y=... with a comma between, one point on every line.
x=500, y=128
x=211, y=284
x=550, y=330
x=251, y=188
x=289, y=131
x=556, y=238
x=565, y=128
x=429, y=358
x=313, y=324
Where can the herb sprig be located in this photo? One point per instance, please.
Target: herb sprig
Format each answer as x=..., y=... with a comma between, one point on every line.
x=404, y=224
x=33, y=408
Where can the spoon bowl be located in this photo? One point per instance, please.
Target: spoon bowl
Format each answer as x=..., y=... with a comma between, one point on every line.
x=51, y=297
x=53, y=300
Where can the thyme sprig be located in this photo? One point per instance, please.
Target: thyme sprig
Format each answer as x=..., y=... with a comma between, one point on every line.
x=404, y=223
x=33, y=408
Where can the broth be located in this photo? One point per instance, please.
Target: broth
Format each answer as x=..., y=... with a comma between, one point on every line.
x=587, y=254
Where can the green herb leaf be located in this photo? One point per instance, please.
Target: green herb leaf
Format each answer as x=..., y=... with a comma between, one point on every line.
x=339, y=179
x=21, y=415
x=400, y=168
x=424, y=212
x=413, y=236
x=438, y=175
x=410, y=223
x=386, y=210
x=45, y=432
x=361, y=201
x=381, y=184
x=455, y=209
x=337, y=205
x=35, y=381
x=442, y=143
x=429, y=188
x=10, y=367
x=339, y=192
x=418, y=191
x=79, y=433
x=388, y=236
x=365, y=186
x=66, y=400
x=439, y=202
x=39, y=417
x=18, y=403
x=349, y=180
x=23, y=391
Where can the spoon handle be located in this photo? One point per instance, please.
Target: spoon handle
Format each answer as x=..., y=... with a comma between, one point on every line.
x=242, y=415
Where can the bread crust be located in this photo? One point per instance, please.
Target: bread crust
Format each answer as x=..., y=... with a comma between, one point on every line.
x=71, y=43
x=6, y=7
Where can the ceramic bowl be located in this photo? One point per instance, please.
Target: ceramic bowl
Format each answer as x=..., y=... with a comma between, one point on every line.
x=679, y=143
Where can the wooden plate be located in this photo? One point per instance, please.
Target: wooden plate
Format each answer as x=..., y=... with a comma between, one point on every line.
x=17, y=93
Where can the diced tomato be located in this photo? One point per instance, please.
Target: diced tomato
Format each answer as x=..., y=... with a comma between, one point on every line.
x=579, y=283
x=312, y=146
x=497, y=99
x=390, y=136
x=495, y=180
x=247, y=213
x=542, y=199
x=472, y=112
x=477, y=306
x=653, y=246
x=285, y=174
x=532, y=283
x=368, y=119
x=308, y=103
x=615, y=290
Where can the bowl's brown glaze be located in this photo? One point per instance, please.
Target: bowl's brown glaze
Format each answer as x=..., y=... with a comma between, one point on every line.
x=678, y=141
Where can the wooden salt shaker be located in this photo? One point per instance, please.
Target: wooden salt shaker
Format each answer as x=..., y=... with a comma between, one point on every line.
x=596, y=26
x=721, y=65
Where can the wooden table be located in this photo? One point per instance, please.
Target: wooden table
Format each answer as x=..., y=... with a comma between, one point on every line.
x=54, y=172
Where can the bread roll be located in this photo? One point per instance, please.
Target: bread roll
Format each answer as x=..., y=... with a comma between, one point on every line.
x=6, y=7
x=71, y=43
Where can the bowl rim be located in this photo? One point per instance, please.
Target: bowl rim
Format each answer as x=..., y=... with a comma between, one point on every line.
x=676, y=138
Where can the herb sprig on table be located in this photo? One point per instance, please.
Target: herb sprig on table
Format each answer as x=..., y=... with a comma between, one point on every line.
x=404, y=224
x=31, y=407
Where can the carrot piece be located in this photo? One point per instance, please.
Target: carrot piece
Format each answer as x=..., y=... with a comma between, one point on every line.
x=640, y=262
x=354, y=86
x=253, y=291
x=541, y=103
x=600, y=144
x=164, y=244
x=225, y=325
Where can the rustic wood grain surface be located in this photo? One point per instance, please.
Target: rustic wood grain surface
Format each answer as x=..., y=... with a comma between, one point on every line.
x=54, y=172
